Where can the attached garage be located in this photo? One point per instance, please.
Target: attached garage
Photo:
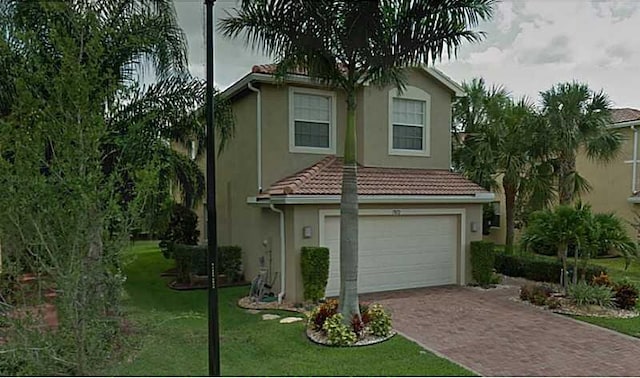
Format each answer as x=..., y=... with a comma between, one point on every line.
x=399, y=248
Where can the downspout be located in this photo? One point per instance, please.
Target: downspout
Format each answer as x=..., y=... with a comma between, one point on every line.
x=282, y=253
x=635, y=161
x=258, y=133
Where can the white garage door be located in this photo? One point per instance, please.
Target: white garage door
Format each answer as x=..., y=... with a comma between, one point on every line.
x=397, y=252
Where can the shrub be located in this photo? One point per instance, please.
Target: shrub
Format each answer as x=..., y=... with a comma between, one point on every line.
x=182, y=229
x=314, y=263
x=584, y=294
x=525, y=292
x=321, y=313
x=357, y=325
x=536, y=268
x=230, y=262
x=337, y=332
x=553, y=303
x=482, y=261
x=601, y=280
x=379, y=320
x=192, y=259
x=537, y=294
x=626, y=295
x=189, y=259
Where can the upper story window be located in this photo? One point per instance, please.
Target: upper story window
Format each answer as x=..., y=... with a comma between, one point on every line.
x=409, y=114
x=312, y=125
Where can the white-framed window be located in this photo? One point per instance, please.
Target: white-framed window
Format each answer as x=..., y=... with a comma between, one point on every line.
x=409, y=122
x=312, y=121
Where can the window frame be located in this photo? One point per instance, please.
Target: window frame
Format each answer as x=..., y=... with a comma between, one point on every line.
x=416, y=94
x=332, y=121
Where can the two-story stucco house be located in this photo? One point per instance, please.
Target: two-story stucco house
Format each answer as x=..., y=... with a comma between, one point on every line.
x=279, y=180
x=615, y=184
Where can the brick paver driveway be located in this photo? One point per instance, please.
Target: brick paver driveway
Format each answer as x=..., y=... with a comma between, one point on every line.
x=493, y=335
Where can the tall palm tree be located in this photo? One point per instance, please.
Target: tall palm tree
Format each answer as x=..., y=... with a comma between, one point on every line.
x=502, y=138
x=124, y=38
x=346, y=44
x=578, y=118
x=473, y=117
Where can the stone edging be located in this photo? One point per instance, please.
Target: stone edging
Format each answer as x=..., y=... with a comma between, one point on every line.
x=318, y=338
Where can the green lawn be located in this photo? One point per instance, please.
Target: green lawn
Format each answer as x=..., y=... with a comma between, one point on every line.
x=173, y=337
x=615, y=269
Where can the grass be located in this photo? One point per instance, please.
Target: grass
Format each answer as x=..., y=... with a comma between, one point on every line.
x=173, y=341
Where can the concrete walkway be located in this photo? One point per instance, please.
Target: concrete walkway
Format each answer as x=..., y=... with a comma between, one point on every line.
x=487, y=332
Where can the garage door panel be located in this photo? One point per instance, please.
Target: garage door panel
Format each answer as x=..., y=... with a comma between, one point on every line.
x=397, y=252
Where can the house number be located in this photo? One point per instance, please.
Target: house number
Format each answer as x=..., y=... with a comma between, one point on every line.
x=395, y=212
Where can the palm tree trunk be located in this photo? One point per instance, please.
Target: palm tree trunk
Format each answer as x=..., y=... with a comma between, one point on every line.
x=566, y=186
x=349, y=220
x=562, y=253
x=510, y=204
x=575, y=267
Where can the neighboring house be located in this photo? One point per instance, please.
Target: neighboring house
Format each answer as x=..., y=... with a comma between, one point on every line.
x=279, y=180
x=615, y=184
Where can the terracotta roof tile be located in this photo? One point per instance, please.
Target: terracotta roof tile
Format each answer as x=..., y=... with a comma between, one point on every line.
x=325, y=178
x=270, y=69
x=624, y=115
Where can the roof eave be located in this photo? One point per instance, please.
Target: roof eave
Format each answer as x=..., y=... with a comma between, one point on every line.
x=445, y=80
x=620, y=125
x=251, y=77
x=372, y=199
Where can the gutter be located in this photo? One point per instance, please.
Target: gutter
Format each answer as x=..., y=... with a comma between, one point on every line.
x=634, y=174
x=258, y=132
x=620, y=125
x=282, y=253
x=371, y=199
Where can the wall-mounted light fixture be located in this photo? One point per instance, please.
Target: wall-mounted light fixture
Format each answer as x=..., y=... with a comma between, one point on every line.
x=306, y=232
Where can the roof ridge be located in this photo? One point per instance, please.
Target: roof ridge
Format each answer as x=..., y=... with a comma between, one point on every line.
x=307, y=174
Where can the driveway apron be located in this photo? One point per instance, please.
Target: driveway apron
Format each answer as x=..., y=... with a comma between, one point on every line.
x=490, y=333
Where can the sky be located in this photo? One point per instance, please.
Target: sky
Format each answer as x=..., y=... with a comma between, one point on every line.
x=529, y=46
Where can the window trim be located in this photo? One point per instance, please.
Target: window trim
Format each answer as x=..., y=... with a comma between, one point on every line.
x=411, y=93
x=332, y=122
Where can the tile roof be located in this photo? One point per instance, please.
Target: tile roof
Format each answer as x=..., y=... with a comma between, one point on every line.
x=325, y=178
x=624, y=115
x=270, y=69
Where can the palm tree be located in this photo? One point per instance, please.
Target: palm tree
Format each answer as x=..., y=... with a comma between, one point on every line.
x=345, y=44
x=473, y=116
x=502, y=138
x=578, y=118
x=124, y=38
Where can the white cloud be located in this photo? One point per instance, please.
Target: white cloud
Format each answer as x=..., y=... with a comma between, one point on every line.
x=561, y=41
x=530, y=45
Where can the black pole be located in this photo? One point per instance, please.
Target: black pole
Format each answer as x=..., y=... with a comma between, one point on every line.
x=212, y=235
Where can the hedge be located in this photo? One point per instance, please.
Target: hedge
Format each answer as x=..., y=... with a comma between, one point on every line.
x=192, y=259
x=537, y=268
x=314, y=264
x=482, y=261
